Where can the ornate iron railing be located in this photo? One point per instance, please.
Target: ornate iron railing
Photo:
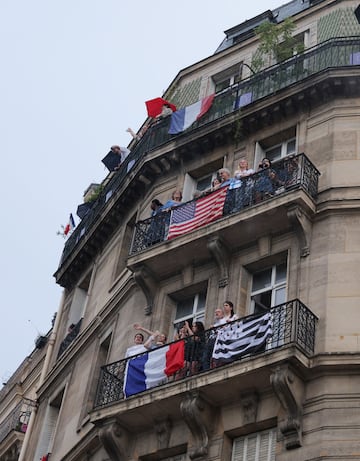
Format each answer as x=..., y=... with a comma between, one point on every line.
x=69, y=338
x=338, y=52
x=18, y=419
x=293, y=172
x=288, y=323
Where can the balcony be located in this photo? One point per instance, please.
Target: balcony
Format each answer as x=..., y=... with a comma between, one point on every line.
x=70, y=337
x=287, y=330
x=328, y=69
x=17, y=421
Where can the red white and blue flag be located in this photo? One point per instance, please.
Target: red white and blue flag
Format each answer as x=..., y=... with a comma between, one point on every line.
x=188, y=217
x=70, y=225
x=183, y=118
x=153, y=368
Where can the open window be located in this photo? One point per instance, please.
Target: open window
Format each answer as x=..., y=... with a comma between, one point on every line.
x=200, y=179
x=189, y=304
x=227, y=77
x=277, y=146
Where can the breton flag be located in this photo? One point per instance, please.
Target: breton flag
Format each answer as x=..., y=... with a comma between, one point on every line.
x=243, y=337
x=153, y=368
x=70, y=225
x=183, y=118
x=197, y=213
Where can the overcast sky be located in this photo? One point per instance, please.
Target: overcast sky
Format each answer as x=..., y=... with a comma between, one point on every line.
x=74, y=75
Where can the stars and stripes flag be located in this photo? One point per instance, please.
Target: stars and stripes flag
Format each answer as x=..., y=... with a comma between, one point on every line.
x=197, y=213
x=242, y=337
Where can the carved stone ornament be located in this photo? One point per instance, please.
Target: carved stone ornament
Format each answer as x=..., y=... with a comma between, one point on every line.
x=163, y=432
x=249, y=403
x=148, y=286
x=115, y=440
x=221, y=256
x=302, y=226
x=198, y=415
x=282, y=381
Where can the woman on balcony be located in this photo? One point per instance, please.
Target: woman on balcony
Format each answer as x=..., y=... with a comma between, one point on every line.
x=264, y=181
x=242, y=187
x=196, y=346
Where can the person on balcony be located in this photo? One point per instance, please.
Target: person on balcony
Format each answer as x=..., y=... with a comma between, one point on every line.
x=209, y=347
x=156, y=228
x=265, y=181
x=196, y=344
x=242, y=186
x=137, y=136
x=175, y=201
x=138, y=346
x=122, y=152
x=165, y=112
x=229, y=314
x=155, y=339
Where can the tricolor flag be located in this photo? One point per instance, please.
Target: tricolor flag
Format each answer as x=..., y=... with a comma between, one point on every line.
x=70, y=225
x=243, y=337
x=153, y=368
x=197, y=213
x=183, y=118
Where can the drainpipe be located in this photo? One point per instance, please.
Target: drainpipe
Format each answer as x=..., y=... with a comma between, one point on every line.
x=44, y=371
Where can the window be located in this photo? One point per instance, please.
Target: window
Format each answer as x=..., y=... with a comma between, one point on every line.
x=191, y=309
x=259, y=446
x=277, y=146
x=200, y=178
x=228, y=77
x=47, y=433
x=268, y=288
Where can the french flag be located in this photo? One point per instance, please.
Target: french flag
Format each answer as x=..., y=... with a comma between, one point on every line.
x=153, y=368
x=70, y=225
x=183, y=118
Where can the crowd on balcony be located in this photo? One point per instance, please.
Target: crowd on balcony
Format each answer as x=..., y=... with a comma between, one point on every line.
x=243, y=188
x=193, y=350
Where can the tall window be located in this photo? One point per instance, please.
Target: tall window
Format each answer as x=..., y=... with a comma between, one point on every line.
x=191, y=309
x=281, y=150
x=200, y=179
x=47, y=433
x=268, y=288
x=259, y=446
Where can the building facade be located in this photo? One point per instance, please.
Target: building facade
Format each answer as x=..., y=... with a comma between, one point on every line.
x=280, y=382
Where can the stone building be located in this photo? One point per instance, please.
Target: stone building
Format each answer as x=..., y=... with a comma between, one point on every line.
x=281, y=382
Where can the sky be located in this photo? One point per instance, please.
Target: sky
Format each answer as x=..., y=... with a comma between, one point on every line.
x=75, y=74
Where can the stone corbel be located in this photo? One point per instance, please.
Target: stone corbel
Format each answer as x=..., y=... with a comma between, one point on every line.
x=198, y=415
x=249, y=403
x=221, y=255
x=302, y=226
x=115, y=440
x=148, y=286
x=283, y=382
x=163, y=432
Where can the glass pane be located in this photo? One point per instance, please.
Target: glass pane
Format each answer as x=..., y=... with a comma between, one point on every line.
x=280, y=273
x=262, y=280
x=274, y=153
x=280, y=296
x=262, y=302
x=184, y=308
x=201, y=302
x=204, y=183
x=290, y=148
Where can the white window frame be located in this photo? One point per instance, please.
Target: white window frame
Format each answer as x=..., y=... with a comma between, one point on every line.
x=197, y=314
x=190, y=184
x=258, y=446
x=228, y=77
x=279, y=315
x=261, y=153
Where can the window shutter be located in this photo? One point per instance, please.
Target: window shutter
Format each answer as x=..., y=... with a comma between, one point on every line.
x=47, y=432
x=259, y=446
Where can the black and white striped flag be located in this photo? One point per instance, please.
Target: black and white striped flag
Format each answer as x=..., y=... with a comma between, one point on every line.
x=243, y=337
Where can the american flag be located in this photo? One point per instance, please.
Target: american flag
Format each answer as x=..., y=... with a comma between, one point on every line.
x=242, y=337
x=197, y=213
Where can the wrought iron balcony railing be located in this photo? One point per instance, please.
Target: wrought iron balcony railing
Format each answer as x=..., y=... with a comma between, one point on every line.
x=69, y=338
x=290, y=323
x=18, y=419
x=334, y=53
x=293, y=172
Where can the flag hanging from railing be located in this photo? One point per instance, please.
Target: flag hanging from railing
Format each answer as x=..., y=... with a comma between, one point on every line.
x=243, y=337
x=153, y=368
x=197, y=213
